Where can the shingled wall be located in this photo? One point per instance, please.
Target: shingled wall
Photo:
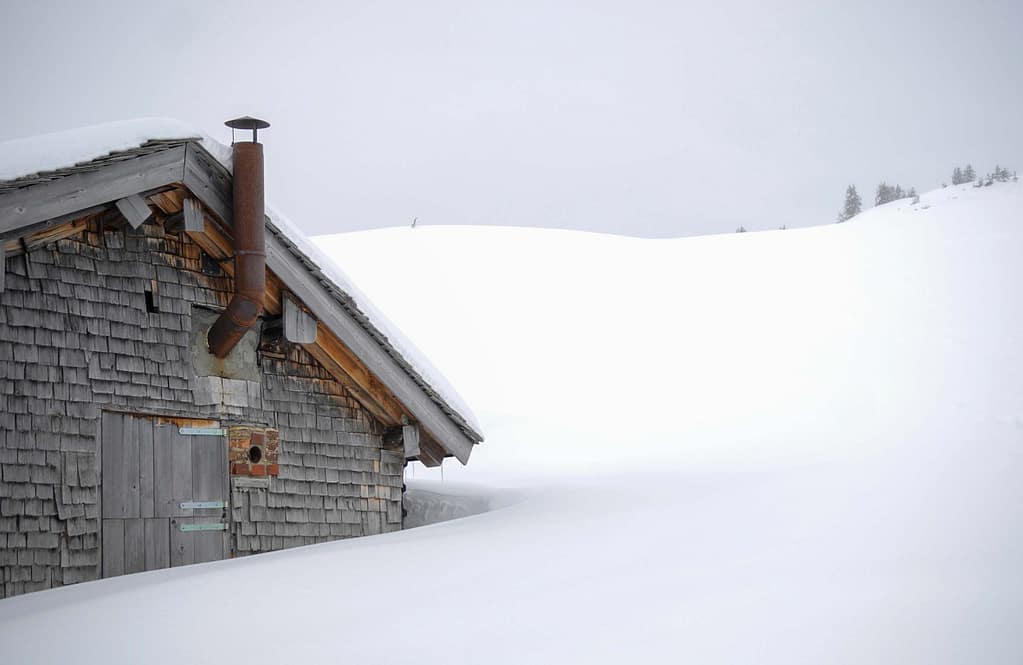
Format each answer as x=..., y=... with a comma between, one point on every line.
x=76, y=337
x=335, y=479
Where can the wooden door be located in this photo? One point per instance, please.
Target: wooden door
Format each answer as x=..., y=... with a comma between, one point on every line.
x=164, y=497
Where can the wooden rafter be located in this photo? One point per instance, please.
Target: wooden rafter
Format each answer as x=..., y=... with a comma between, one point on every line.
x=14, y=246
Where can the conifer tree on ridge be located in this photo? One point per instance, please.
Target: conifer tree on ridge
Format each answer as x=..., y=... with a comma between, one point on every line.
x=853, y=205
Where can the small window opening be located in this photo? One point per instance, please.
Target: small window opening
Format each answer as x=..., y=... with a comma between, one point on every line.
x=209, y=265
x=255, y=454
x=151, y=305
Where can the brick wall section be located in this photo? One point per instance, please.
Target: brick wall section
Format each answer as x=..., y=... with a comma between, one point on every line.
x=76, y=338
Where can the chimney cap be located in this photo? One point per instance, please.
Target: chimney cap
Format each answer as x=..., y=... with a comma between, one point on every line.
x=247, y=122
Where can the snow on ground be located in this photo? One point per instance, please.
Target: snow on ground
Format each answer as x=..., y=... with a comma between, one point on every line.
x=800, y=446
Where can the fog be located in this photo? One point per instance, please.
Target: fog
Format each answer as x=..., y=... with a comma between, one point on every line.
x=640, y=118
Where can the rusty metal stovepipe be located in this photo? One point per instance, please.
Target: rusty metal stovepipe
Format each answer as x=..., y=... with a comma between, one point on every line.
x=249, y=251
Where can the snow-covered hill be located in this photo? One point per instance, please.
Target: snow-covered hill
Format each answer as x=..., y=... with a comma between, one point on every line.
x=799, y=446
x=739, y=349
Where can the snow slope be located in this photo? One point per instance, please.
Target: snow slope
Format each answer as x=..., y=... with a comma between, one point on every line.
x=738, y=349
x=800, y=446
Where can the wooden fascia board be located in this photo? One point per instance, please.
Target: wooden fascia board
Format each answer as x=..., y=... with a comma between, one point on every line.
x=79, y=191
x=208, y=180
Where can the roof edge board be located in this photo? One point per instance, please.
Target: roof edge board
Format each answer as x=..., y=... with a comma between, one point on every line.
x=75, y=191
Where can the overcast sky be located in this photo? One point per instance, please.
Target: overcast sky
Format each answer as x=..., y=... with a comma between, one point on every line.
x=643, y=118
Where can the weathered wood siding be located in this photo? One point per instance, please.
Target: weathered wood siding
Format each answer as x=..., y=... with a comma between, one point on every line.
x=76, y=338
x=335, y=480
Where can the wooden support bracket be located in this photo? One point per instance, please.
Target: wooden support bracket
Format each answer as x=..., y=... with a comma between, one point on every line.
x=410, y=439
x=299, y=325
x=430, y=454
x=135, y=210
x=194, y=221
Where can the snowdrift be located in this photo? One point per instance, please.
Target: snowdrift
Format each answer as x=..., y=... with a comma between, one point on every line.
x=781, y=447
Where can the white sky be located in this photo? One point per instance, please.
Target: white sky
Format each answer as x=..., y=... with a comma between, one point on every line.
x=643, y=118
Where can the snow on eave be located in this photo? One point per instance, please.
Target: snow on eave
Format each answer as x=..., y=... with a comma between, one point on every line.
x=23, y=159
x=387, y=334
x=32, y=155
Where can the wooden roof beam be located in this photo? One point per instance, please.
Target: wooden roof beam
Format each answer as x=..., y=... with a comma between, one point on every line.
x=14, y=247
x=430, y=454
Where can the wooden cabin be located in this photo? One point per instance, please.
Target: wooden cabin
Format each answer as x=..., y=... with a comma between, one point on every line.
x=126, y=445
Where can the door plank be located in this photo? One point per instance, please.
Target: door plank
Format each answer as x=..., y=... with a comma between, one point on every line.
x=190, y=468
x=130, y=463
x=206, y=470
x=134, y=546
x=146, y=468
x=120, y=466
x=172, y=471
x=163, y=463
x=113, y=547
x=182, y=543
x=157, y=534
x=209, y=545
x=209, y=476
x=112, y=472
x=181, y=472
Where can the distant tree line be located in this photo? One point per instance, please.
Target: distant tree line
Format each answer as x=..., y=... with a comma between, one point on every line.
x=968, y=175
x=887, y=193
x=1001, y=175
x=963, y=176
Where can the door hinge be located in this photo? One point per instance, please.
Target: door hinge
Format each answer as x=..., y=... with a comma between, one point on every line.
x=215, y=526
x=193, y=505
x=202, y=431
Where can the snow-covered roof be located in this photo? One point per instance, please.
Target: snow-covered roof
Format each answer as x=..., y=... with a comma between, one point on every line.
x=40, y=158
x=51, y=152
